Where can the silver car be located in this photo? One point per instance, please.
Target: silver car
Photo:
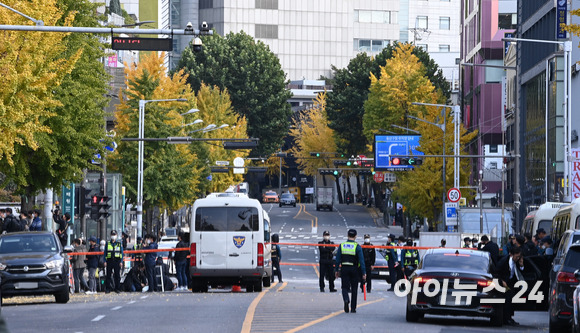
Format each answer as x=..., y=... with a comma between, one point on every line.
x=287, y=199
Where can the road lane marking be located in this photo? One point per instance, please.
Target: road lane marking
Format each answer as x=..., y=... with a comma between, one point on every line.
x=316, y=270
x=284, y=284
x=144, y=297
x=131, y=302
x=116, y=308
x=334, y=314
x=97, y=318
x=247, y=326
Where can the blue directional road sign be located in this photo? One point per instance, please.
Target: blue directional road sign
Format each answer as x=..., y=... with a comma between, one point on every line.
x=389, y=146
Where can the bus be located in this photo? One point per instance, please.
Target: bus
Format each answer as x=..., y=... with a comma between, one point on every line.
x=541, y=218
x=567, y=218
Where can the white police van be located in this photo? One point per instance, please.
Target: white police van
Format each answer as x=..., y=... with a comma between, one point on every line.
x=230, y=243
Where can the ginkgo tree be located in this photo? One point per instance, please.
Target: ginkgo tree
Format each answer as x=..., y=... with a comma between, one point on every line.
x=311, y=133
x=390, y=101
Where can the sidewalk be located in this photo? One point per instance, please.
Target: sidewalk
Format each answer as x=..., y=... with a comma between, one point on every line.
x=377, y=216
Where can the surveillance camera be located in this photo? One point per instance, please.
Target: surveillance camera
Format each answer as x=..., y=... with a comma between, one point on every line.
x=204, y=26
x=189, y=25
x=197, y=44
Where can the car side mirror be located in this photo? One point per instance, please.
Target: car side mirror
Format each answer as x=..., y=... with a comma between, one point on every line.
x=577, y=274
x=69, y=249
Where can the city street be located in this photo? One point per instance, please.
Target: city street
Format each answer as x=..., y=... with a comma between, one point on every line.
x=292, y=306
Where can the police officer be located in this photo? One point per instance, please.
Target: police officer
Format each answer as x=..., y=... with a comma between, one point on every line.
x=113, y=262
x=326, y=264
x=276, y=257
x=410, y=258
x=349, y=258
x=391, y=257
x=370, y=256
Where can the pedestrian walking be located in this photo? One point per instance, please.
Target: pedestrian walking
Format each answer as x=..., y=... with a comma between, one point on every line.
x=113, y=263
x=326, y=262
x=180, y=258
x=78, y=265
x=93, y=265
x=276, y=258
x=36, y=224
x=369, y=255
x=349, y=263
x=509, y=271
x=150, y=260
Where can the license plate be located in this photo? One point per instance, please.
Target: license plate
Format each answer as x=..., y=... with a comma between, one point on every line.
x=383, y=273
x=450, y=301
x=26, y=285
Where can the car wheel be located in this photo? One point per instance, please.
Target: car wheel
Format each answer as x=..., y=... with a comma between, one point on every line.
x=496, y=318
x=554, y=327
x=413, y=316
x=258, y=286
x=280, y=205
x=62, y=297
x=196, y=285
x=250, y=287
x=266, y=281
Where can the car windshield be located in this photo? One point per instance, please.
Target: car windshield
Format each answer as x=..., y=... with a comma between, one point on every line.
x=452, y=261
x=27, y=243
x=287, y=196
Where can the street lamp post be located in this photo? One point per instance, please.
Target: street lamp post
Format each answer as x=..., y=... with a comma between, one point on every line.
x=142, y=103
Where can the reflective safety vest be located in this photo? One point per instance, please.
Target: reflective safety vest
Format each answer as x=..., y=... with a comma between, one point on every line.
x=113, y=251
x=348, y=253
x=389, y=251
x=411, y=258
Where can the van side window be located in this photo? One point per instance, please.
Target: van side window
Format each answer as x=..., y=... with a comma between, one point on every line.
x=266, y=231
x=577, y=222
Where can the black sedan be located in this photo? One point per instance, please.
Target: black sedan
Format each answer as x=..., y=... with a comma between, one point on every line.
x=562, y=290
x=458, y=272
x=34, y=263
x=380, y=270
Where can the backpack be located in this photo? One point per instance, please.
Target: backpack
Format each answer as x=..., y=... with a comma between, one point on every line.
x=11, y=224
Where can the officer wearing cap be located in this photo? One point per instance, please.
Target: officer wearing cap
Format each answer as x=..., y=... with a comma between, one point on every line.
x=326, y=264
x=391, y=257
x=113, y=263
x=349, y=263
x=370, y=257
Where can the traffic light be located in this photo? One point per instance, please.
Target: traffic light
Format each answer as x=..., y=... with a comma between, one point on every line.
x=335, y=172
x=104, y=206
x=94, y=211
x=415, y=161
x=315, y=154
x=85, y=201
x=340, y=162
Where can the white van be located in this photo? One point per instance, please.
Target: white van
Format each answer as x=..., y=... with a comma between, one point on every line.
x=230, y=242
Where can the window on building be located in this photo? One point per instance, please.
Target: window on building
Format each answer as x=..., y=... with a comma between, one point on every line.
x=266, y=31
x=493, y=165
x=422, y=22
x=507, y=21
x=444, y=48
x=372, y=16
x=267, y=4
x=367, y=45
x=365, y=16
x=424, y=46
x=493, y=148
x=205, y=4
x=444, y=23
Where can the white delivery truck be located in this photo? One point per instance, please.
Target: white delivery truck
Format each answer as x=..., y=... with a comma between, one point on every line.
x=229, y=243
x=324, y=197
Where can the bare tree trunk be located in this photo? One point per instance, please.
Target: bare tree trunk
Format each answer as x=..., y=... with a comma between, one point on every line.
x=26, y=201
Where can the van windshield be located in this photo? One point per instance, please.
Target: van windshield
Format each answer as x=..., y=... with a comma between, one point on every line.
x=227, y=219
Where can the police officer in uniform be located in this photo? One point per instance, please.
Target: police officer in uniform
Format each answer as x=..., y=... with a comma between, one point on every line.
x=370, y=256
x=410, y=259
x=276, y=257
x=391, y=257
x=326, y=264
x=349, y=264
x=113, y=262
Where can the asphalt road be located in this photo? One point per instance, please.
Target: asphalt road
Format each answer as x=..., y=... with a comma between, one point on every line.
x=292, y=306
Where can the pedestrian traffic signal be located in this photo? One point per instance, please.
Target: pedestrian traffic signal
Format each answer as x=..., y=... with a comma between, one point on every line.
x=103, y=207
x=94, y=207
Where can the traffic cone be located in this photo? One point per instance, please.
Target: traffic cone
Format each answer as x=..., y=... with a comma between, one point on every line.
x=236, y=288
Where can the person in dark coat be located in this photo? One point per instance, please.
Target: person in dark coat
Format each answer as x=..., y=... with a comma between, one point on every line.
x=491, y=247
x=113, y=263
x=392, y=261
x=276, y=255
x=509, y=272
x=529, y=248
x=369, y=255
x=326, y=264
x=150, y=262
x=180, y=258
x=93, y=265
x=349, y=264
x=36, y=224
x=11, y=222
x=135, y=279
